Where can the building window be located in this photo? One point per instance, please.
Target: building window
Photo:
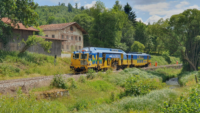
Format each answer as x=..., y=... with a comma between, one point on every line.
x=72, y=47
x=62, y=47
x=79, y=38
x=71, y=28
x=76, y=37
x=71, y=37
x=67, y=46
x=46, y=36
x=53, y=36
x=76, y=48
x=79, y=47
x=62, y=36
x=67, y=37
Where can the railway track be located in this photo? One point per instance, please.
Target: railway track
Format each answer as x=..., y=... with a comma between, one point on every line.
x=10, y=86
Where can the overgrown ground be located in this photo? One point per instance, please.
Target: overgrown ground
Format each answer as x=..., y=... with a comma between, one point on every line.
x=30, y=65
x=129, y=91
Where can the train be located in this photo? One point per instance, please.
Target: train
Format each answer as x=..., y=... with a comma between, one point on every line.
x=98, y=58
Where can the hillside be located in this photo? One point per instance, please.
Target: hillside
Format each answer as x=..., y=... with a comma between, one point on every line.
x=55, y=14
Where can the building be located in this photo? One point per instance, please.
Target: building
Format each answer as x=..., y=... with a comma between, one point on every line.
x=22, y=33
x=72, y=32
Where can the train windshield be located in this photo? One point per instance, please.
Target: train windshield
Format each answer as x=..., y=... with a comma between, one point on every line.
x=84, y=56
x=76, y=56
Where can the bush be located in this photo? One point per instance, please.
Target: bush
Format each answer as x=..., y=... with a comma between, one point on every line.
x=90, y=74
x=185, y=104
x=59, y=82
x=72, y=83
x=137, y=86
x=82, y=79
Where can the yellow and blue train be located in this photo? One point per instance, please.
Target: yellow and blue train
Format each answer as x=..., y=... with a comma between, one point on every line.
x=105, y=58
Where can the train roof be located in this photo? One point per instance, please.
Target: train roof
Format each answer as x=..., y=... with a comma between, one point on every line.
x=101, y=50
x=108, y=50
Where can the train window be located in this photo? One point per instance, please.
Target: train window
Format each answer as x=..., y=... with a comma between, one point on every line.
x=84, y=56
x=76, y=56
x=90, y=57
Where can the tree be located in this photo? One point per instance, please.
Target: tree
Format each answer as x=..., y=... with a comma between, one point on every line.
x=85, y=21
x=51, y=20
x=62, y=4
x=82, y=8
x=34, y=40
x=70, y=7
x=181, y=32
x=117, y=6
x=127, y=9
x=137, y=47
x=130, y=13
x=17, y=11
x=59, y=3
x=76, y=5
x=140, y=34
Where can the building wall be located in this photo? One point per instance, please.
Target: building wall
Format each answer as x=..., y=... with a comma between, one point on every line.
x=72, y=37
x=15, y=44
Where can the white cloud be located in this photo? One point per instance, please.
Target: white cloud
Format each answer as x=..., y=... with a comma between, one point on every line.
x=153, y=9
x=139, y=19
x=90, y=5
x=163, y=10
x=153, y=19
x=182, y=4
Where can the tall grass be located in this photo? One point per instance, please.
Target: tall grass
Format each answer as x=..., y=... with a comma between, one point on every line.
x=148, y=103
x=187, y=78
x=30, y=64
x=162, y=60
x=24, y=104
x=166, y=73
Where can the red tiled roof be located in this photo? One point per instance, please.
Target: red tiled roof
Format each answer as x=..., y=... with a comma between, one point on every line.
x=21, y=26
x=52, y=27
x=51, y=38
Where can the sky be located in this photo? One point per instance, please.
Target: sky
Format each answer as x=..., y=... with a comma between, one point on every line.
x=146, y=10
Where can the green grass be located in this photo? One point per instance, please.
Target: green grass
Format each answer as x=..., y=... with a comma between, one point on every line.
x=23, y=104
x=166, y=73
x=161, y=60
x=30, y=65
x=147, y=103
x=187, y=78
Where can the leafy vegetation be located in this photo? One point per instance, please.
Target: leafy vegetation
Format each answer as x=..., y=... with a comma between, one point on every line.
x=188, y=104
x=17, y=12
x=30, y=64
x=59, y=82
x=137, y=47
x=34, y=40
x=188, y=78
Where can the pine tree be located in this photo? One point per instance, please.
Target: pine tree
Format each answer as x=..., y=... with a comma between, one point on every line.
x=117, y=6
x=82, y=8
x=76, y=6
x=131, y=14
x=69, y=7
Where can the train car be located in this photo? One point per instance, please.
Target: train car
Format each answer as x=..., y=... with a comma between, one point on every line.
x=104, y=58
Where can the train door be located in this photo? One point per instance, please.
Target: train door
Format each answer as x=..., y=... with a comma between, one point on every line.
x=98, y=60
x=104, y=59
x=131, y=59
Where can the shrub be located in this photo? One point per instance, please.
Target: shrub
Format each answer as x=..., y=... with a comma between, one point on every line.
x=72, y=83
x=81, y=105
x=82, y=79
x=90, y=74
x=185, y=104
x=59, y=82
x=137, y=86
